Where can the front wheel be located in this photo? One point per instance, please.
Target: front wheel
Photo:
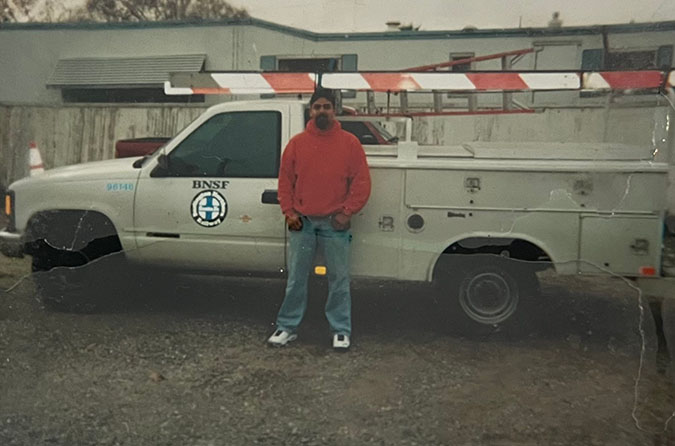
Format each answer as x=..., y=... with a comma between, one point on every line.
x=63, y=281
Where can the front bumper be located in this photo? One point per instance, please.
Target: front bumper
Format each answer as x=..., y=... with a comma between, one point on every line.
x=11, y=243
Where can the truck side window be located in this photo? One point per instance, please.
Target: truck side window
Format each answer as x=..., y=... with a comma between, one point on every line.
x=234, y=145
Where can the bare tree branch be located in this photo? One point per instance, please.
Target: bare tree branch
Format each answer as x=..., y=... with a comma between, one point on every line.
x=158, y=10
x=16, y=10
x=119, y=10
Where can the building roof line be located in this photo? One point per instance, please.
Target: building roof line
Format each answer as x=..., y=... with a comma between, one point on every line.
x=380, y=35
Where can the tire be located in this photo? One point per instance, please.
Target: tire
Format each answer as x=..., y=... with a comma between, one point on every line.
x=64, y=282
x=60, y=289
x=488, y=289
x=76, y=255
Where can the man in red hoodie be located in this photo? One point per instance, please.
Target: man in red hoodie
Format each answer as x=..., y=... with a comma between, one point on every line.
x=323, y=181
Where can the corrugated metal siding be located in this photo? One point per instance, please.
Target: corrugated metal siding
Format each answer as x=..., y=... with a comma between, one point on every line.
x=126, y=71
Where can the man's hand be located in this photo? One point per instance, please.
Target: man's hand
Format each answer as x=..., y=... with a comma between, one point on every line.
x=340, y=221
x=294, y=222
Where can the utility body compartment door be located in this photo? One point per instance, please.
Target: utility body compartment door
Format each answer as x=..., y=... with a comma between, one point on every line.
x=621, y=244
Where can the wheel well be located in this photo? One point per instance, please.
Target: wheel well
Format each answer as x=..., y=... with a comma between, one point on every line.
x=89, y=233
x=506, y=247
x=512, y=248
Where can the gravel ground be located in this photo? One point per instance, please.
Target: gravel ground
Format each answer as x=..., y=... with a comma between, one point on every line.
x=184, y=363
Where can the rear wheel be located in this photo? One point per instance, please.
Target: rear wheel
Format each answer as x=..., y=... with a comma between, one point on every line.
x=489, y=295
x=488, y=289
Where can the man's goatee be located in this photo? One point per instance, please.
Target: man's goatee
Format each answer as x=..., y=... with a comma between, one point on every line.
x=322, y=122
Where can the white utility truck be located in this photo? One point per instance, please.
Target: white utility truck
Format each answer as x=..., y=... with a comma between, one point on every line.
x=481, y=218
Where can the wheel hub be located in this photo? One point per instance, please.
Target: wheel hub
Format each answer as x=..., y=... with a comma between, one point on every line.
x=488, y=298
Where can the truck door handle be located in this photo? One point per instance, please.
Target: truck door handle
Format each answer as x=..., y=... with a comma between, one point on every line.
x=270, y=197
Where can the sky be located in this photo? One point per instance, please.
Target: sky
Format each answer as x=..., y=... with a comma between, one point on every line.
x=371, y=15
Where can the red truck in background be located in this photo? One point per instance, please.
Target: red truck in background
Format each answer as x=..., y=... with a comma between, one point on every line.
x=126, y=148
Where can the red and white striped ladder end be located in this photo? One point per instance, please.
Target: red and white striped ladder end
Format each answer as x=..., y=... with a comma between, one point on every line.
x=623, y=80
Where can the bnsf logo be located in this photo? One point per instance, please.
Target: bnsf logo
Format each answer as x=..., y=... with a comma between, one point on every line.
x=210, y=184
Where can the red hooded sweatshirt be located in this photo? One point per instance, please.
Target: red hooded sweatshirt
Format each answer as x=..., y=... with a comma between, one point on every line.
x=323, y=173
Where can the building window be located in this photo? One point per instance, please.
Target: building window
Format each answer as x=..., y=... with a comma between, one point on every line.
x=462, y=67
x=598, y=59
x=631, y=60
x=319, y=65
x=660, y=58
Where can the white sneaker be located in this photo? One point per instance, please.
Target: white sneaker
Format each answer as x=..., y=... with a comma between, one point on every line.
x=341, y=342
x=280, y=338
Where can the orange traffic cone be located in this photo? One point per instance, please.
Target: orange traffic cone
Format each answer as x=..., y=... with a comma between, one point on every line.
x=35, y=159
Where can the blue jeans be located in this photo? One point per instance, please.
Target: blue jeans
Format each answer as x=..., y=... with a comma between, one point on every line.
x=336, y=253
